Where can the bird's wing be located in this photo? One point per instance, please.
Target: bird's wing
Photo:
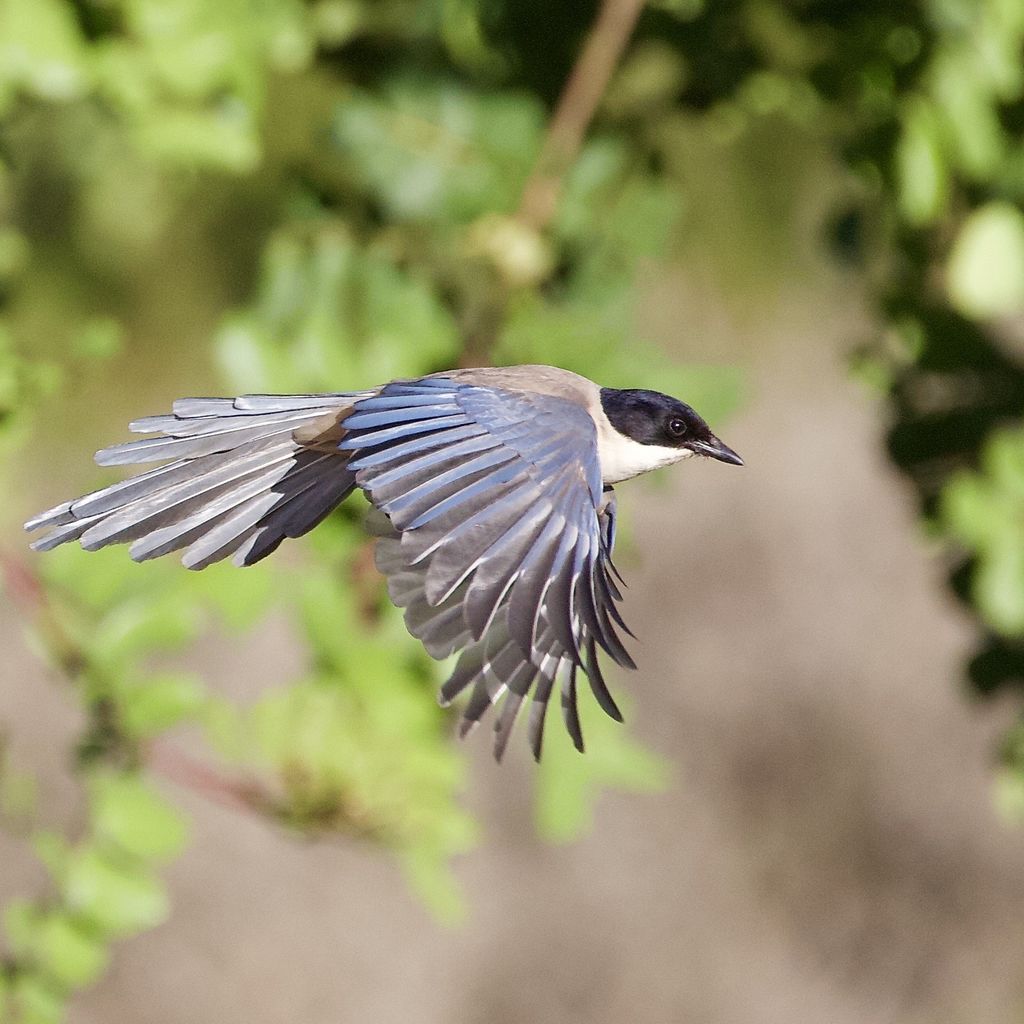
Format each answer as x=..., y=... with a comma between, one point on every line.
x=496, y=538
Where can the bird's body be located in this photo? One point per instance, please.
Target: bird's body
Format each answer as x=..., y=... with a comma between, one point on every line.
x=492, y=500
x=620, y=457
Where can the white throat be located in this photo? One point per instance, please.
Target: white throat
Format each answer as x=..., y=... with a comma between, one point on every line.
x=623, y=458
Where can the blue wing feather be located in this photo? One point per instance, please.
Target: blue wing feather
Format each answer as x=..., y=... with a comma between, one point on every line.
x=499, y=541
x=363, y=419
x=399, y=432
x=393, y=454
x=435, y=460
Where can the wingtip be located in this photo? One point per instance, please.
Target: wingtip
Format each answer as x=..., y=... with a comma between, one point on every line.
x=56, y=516
x=112, y=456
x=606, y=701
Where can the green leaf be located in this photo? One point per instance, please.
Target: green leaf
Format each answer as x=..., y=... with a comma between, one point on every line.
x=652, y=75
x=37, y=1000
x=999, y=585
x=54, y=851
x=160, y=702
x=18, y=793
x=68, y=952
x=568, y=783
x=921, y=172
x=984, y=510
x=431, y=877
x=330, y=311
x=143, y=624
x=14, y=252
x=223, y=138
x=107, y=581
x=969, y=511
x=397, y=307
x=967, y=108
x=101, y=338
x=241, y=599
x=226, y=729
x=243, y=353
x=119, y=898
x=598, y=168
x=21, y=922
x=986, y=266
x=41, y=49
x=434, y=150
x=1009, y=796
x=129, y=814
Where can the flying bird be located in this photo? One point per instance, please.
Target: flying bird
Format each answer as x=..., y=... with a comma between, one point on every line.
x=492, y=501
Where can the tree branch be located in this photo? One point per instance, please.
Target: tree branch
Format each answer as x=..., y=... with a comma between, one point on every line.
x=22, y=585
x=575, y=109
x=484, y=311
x=238, y=793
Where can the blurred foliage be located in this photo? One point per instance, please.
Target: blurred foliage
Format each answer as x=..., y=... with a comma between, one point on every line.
x=940, y=155
x=925, y=105
x=341, y=180
x=985, y=511
x=362, y=165
x=936, y=142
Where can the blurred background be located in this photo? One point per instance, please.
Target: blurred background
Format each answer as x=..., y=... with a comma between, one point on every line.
x=231, y=796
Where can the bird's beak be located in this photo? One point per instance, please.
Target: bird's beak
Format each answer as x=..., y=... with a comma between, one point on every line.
x=715, y=449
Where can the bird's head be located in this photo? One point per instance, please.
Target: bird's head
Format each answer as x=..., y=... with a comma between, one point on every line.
x=661, y=422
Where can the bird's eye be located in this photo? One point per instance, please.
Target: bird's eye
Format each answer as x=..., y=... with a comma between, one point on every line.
x=677, y=427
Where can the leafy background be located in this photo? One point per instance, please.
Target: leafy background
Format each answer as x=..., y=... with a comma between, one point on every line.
x=263, y=195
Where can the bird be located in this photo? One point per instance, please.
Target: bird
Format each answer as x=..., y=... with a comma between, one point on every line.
x=492, y=502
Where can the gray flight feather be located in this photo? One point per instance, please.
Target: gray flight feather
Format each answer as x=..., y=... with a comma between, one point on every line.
x=495, y=542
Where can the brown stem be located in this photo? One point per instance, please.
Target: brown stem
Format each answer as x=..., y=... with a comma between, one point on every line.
x=22, y=585
x=199, y=777
x=602, y=49
x=587, y=82
x=367, y=582
x=28, y=594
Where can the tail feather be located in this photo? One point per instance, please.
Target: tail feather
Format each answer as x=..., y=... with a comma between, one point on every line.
x=137, y=487
x=257, y=527
x=146, y=485
x=186, y=408
x=205, y=426
x=296, y=403
x=68, y=530
x=314, y=505
x=204, y=513
x=59, y=515
x=222, y=536
x=204, y=438
x=240, y=479
x=177, y=503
